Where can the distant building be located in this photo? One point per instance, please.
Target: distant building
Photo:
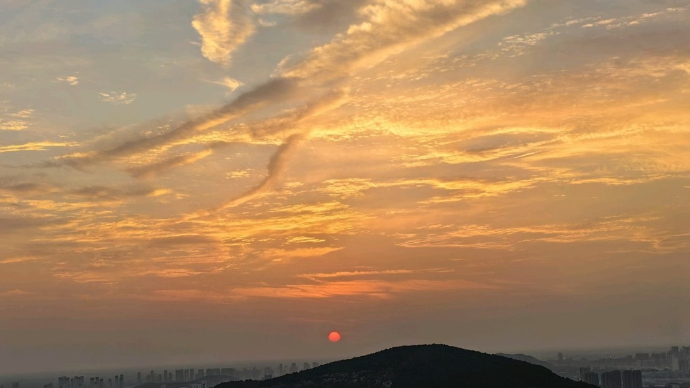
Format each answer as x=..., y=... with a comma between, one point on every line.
x=306, y=366
x=15, y=385
x=293, y=368
x=583, y=371
x=560, y=358
x=314, y=364
x=611, y=379
x=230, y=372
x=632, y=379
x=591, y=378
x=139, y=378
x=200, y=374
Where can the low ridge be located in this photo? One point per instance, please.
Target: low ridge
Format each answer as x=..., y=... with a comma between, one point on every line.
x=420, y=366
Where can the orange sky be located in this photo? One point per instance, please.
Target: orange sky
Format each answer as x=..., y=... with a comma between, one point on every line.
x=186, y=182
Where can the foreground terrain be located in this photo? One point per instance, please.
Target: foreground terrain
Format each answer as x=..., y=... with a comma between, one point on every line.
x=422, y=366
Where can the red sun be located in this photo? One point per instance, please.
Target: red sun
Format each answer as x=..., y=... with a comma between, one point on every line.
x=334, y=336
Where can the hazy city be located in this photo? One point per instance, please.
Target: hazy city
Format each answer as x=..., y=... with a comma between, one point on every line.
x=344, y=193
x=667, y=369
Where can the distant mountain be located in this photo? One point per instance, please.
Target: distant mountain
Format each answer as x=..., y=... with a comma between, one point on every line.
x=528, y=358
x=422, y=366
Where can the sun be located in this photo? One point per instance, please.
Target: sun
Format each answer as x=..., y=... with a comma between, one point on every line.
x=334, y=336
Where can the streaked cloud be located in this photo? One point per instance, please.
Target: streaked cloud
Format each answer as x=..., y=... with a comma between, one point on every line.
x=290, y=7
x=35, y=146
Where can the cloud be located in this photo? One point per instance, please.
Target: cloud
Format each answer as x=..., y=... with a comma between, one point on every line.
x=13, y=125
x=275, y=168
x=275, y=91
x=289, y=7
x=230, y=83
x=17, y=121
x=120, y=98
x=364, y=288
x=104, y=193
x=36, y=146
x=71, y=80
x=368, y=288
x=167, y=164
x=28, y=188
x=224, y=25
x=14, y=293
x=17, y=260
x=392, y=26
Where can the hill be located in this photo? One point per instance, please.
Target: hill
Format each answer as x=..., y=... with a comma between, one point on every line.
x=530, y=359
x=421, y=366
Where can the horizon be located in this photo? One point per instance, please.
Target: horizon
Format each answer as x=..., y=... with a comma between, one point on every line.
x=542, y=355
x=183, y=181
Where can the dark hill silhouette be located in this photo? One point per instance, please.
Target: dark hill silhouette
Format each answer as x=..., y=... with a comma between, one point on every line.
x=421, y=366
x=528, y=358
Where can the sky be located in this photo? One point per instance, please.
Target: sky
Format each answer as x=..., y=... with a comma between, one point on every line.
x=188, y=182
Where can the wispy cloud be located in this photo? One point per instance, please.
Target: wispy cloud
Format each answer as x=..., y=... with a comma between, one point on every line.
x=224, y=25
x=120, y=98
x=70, y=80
x=36, y=146
x=289, y=7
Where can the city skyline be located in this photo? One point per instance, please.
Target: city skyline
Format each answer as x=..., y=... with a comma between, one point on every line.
x=199, y=182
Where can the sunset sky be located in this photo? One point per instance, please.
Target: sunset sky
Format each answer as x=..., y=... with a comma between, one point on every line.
x=188, y=181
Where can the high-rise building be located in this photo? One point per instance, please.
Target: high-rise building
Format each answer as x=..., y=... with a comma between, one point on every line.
x=632, y=379
x=230, y=372
x=560, y=358
x=591, y=378
x=200, y=374
x=293, y=368
x=15, y=385
x=314, y=364
x=611, y=379
x=213, y=372
x=306, y=366
x=139, y=378
x=584, y=370
x=684, y=366
x=675, y=362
